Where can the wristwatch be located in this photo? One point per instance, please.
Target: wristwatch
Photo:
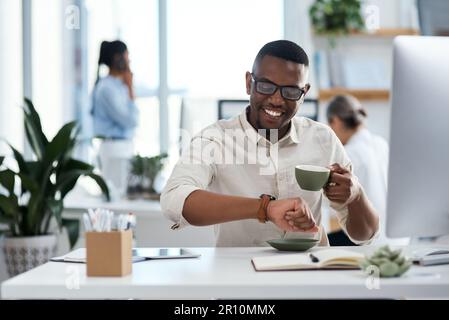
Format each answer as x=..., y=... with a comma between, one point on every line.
x=262, y=212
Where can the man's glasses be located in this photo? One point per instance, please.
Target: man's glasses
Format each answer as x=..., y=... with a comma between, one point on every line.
x=269, y=88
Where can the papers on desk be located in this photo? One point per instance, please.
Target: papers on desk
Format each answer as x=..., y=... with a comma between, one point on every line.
x=79, y=256
x=139, y=254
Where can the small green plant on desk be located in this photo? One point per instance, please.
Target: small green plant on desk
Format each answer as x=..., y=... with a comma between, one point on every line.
x=390, y=263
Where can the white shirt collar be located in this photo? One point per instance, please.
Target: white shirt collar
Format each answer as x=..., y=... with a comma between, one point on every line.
x=255, y=137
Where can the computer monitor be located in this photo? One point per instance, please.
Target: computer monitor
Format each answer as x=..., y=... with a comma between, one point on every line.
x=418, y=177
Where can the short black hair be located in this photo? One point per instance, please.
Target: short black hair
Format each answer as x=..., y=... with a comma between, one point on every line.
x=283, y=49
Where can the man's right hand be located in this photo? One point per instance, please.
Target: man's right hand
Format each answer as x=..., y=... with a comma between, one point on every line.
x=291, y=215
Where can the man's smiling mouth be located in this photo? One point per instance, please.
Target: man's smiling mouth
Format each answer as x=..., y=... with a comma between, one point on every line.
x=273, y=113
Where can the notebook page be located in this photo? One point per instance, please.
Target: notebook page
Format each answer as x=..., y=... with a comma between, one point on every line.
x=338, y=255
x=290, y=261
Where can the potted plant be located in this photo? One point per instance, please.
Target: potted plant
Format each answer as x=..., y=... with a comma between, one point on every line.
x=152, y=166
x=144, y=171
x=135, y=178
x=33, y=195
x=334, y=18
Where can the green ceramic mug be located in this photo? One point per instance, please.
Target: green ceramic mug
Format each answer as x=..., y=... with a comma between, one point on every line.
x=311, y=178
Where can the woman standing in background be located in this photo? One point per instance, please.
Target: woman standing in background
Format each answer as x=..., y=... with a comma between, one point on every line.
x=368, y=153
x=115, y=114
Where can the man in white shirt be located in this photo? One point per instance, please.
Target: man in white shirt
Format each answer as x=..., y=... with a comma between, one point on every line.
x=234, y=169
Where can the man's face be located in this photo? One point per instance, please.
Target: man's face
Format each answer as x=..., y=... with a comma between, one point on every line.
x=274, y=111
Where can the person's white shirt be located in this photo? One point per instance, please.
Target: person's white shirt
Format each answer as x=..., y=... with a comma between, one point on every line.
x=246, y=164
x=369, y=156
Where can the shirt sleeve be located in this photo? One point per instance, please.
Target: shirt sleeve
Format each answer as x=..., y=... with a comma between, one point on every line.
x=194, y=171
x=342, y=217
x=120, y=108
x=339, y=156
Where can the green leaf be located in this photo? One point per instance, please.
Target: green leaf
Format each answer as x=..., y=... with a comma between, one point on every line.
x=35, y=214
x=73, y=227
x=7, y=179
x=33, y=129
x=101, y=183
x=56, y=152
x=6, y=220
x=8, y=205
x=67, y=186
x=34, y=169
x=1, y=160
x=67, y=180
x=55, y=208
x=72, y=164
x=28, y=184
x=59, y=147
x=71, y=144
x=20, y=160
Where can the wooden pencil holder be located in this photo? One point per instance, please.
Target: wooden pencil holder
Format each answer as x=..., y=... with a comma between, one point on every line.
x=109, y=254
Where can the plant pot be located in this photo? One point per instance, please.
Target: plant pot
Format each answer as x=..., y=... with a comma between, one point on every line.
x=25, y=253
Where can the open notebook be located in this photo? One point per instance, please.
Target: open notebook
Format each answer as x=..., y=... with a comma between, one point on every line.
x=320, y=259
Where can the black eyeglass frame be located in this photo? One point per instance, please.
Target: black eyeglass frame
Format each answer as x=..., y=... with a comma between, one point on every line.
x=277, y=87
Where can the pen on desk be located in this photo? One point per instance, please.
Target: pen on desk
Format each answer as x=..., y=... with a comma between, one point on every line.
x=313, y=258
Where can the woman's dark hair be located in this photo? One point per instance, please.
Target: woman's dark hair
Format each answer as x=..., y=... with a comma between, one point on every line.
x=348, y=109
x=109, y=50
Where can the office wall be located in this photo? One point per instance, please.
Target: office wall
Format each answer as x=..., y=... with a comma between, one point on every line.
x=47, y=63
x=11, y=74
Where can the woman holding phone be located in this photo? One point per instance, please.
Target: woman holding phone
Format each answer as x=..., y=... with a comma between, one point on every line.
x=115, y=114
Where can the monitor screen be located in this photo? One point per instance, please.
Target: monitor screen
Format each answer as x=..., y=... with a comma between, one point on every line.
x=418, y=177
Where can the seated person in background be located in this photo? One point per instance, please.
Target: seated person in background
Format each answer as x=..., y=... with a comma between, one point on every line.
x=115, y=114
x=368, y=153
x=239, y=174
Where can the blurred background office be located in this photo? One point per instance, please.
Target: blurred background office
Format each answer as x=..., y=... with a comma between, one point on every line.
x=187, y=56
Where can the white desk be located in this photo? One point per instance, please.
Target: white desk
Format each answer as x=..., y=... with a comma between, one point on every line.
x=224, y=273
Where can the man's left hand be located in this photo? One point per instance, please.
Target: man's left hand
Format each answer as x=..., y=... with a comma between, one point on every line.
x=343, y=187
